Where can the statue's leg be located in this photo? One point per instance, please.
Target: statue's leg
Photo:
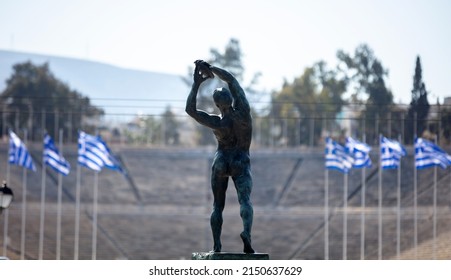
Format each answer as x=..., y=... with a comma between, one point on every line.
x=243, y=184
x=219, y=187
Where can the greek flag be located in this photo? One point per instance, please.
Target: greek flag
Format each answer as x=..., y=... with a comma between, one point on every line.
x=360, y=152
x=18, y=153
x=428, y=154
x=53, y=158
x=391, y=153
x=94, y=154
x=337, y=157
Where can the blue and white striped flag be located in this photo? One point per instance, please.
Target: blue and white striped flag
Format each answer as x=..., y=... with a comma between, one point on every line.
x=391, y=153
x=18, y=153
x=94, y=154
x=428, y=154
x=53, y=158
x=360, y=152
x=337, y=157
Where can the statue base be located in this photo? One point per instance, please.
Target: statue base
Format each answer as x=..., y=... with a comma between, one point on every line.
x=228, y=256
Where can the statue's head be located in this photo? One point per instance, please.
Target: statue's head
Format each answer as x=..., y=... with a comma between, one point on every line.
x=222, y=98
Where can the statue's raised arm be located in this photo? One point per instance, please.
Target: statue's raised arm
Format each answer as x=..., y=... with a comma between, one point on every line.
x=201, y=73
x=240, y=100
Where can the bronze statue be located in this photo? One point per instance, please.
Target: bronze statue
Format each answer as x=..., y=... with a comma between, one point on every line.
x=233, y=131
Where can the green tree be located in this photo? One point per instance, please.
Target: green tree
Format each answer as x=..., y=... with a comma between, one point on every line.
x=171, y=128
x=331, y=89
x=316, y=94
x=419, y=106
x=34, y=97
x=231, y=60
x=366, y=72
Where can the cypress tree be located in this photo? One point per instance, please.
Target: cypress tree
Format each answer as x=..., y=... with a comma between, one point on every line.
x=419, y=106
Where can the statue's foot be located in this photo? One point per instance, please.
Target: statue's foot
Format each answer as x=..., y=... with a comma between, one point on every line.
x=217, y=248
x=247, y=243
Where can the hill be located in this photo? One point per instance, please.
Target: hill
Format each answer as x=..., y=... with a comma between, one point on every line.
x=122, y=92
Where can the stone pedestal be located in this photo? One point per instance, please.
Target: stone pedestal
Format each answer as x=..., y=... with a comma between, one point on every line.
x=228, y=256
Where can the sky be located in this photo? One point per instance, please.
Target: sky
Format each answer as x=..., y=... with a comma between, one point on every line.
x=279, y=38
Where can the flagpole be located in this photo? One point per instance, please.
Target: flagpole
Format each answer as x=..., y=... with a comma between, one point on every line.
x=326, y=216
x=77, y=213
x=362, y=216
x=60, y=198
x=88, y=156
x=434, y=230
x=415, y=211
x=362, y=213
x=6, y=211
x=94, y=216
x=398, y=221
x=41, y=224
x=380, y=201
x=415, y=192
x=345, y=216
x=24, y=208
x=43, y=179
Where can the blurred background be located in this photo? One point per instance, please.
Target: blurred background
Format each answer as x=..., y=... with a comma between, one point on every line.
x=123, y=70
